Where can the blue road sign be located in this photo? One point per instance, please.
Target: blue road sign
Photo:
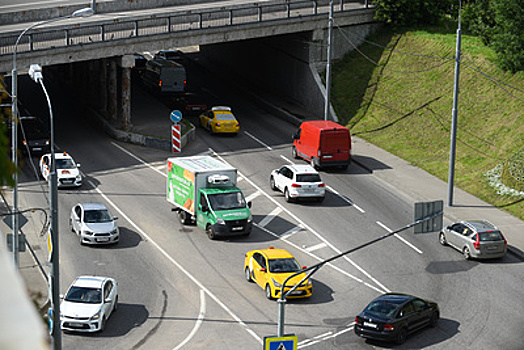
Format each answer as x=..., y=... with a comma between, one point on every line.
x=287, y=342
x=176, y=116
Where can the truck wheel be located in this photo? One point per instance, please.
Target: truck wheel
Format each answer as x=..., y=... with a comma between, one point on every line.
x=294, y=152
x=272, y=183
x=182, y=216
x=314, y=164
x=210, y=232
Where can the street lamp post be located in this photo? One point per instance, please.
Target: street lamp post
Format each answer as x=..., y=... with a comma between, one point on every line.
x=36, y=74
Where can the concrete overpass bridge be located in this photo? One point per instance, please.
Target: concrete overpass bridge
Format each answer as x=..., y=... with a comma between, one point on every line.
x=280, y=44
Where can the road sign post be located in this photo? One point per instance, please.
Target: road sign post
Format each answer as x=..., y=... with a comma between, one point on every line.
x=176, y=132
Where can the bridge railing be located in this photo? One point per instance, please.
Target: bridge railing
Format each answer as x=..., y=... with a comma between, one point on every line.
x=120, y=29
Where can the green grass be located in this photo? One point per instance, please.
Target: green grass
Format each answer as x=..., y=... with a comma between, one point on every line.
x=403, y=103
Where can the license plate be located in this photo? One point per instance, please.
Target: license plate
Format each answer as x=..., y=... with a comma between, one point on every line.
x=370, y=325
x=493, y=247
x=76, y=324
x=37, y=149
x=327, y=157
x=238, y=228
x=102, y=239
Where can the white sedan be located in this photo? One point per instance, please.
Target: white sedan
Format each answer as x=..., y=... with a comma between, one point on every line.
x=298, y=181
x=67, y=172
x=88, y=303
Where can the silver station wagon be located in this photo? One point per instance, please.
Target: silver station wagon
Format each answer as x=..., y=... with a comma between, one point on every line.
x=475, y=239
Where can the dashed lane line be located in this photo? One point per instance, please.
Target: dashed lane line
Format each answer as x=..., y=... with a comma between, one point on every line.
x=402, y=239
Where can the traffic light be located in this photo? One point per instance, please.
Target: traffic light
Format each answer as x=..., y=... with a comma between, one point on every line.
x=428, y=216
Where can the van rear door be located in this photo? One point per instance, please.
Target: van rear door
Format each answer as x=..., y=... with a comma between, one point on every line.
x=335, y=145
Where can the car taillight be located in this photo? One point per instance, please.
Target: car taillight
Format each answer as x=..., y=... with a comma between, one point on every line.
x=505, y=242
x=296, y=185
x=217, y=124
x=160, y=83
x=357, y=320
x=322, y=185
x=476, y=244
x=388, y=327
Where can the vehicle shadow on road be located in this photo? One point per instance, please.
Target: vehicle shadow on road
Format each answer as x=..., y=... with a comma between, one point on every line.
x=423, y=338
x=121, y=322
x=128, y=239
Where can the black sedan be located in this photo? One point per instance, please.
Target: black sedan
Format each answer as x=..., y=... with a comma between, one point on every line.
x=392, y=316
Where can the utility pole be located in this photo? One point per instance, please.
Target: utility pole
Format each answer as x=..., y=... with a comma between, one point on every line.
x=453, y=142
x=328, y=66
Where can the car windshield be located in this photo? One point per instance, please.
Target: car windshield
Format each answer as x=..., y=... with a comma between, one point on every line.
x=308, y=178
x=381, y=309
x=172, y=55
x=226, y=201
x=283, y=265
x=65, y=164
x=224, y=116
x=490, y=236
x=99, y=215
x=84, y=295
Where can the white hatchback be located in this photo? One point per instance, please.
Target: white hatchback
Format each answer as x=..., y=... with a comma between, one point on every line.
x=94, y=224
x=298, y=181
x=88, y=303
x=67, y=172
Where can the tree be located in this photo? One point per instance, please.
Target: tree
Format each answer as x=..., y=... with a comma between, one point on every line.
x=508, y=39
x=411, y=12
x=7, y=167
x=478, y=18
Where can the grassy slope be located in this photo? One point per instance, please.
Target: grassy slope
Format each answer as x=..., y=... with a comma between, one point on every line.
x=404, y=105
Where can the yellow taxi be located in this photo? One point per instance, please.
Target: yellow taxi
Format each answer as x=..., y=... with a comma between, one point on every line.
x=220, y=120
x=269, y=268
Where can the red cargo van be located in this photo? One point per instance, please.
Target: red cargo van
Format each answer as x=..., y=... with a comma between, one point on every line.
x=323, y=143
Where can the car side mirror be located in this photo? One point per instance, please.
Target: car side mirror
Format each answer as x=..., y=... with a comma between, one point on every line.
x=78, y=165
x=249, y=205
x=294, y=137
x=115, y=217
x=108, y=300
x=61, y=296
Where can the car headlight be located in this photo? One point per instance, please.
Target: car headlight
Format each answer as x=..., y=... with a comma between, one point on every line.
x=276, y=284
x=221, y=221
x=249, y=219
x=79, y=177
x=87, y=232
x=115, y=231
x=96, y=316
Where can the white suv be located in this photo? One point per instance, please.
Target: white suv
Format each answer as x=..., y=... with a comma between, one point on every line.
x=298, y=181
x=67, y=172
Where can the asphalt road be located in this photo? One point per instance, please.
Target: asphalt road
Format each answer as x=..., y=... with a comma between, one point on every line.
x=179, y=290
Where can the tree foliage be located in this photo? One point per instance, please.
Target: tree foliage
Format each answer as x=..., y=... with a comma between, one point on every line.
x=508, y=37
x=411, y=12
x=7, y=167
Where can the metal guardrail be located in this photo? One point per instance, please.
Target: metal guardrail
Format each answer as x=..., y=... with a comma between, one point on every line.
x=120, y=29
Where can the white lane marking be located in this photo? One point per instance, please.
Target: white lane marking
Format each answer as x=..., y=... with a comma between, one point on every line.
x=287, y=160
x=257, y=140
x=291, y=232
x=319, y=259
x=138, y=159
x=345, y=199
x=322, y=337
x=265, y=221
x=400, y=238
x=307, y=227
x=198, y=323
x=180, y=267
x=315, y=247
x=252, y=196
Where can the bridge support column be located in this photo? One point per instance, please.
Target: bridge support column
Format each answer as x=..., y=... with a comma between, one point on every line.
x=126, y=62
x=112, y=84
x=102, y=85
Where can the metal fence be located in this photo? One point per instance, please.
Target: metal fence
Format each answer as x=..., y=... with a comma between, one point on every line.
x=119, y=29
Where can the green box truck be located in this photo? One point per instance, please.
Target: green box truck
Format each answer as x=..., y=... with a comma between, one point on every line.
x=203, y=191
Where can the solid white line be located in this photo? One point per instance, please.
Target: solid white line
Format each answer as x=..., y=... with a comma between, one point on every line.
x=316, y=247
x=287, y=160
x=400, y=238
x=265, y=221
x=198, y=323
x=345, y=199
x=138, y=159
x=257, y=140
x=291, y=232
x=329, y=335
